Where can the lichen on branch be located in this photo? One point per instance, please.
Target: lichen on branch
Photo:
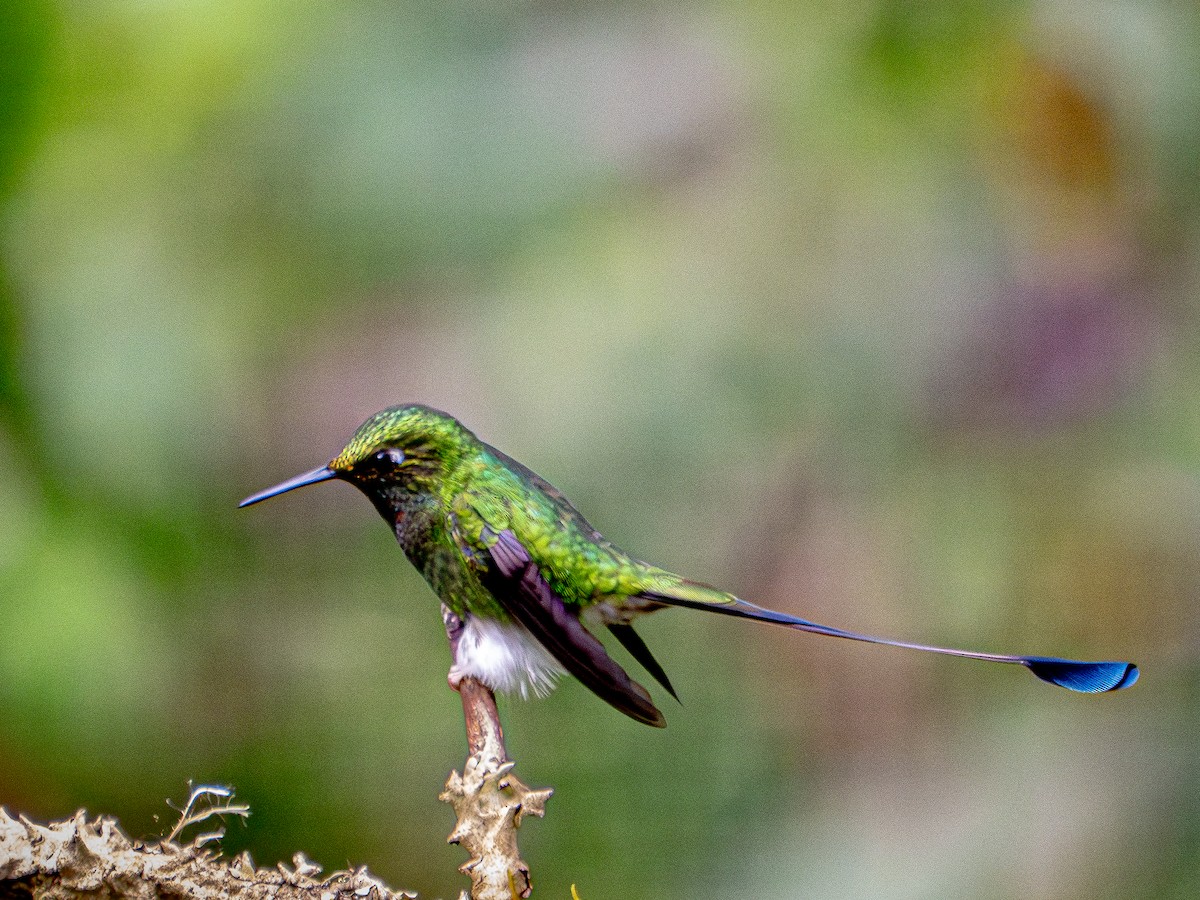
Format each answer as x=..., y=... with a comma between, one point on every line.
x=78, y=858
x=490, y=802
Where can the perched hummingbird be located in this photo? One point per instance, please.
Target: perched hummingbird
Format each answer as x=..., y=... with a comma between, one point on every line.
x=521, y=568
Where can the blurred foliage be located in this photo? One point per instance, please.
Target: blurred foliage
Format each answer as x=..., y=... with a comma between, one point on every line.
x=883, y=313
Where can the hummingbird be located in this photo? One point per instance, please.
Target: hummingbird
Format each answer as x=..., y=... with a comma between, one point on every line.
x=525, y=575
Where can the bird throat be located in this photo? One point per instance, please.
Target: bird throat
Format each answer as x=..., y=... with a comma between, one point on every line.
x=414, y=518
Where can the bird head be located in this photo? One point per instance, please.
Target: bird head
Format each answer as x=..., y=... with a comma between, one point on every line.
x=399, y=451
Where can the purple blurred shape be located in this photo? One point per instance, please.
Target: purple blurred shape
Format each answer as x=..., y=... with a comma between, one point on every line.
x=1046, y=355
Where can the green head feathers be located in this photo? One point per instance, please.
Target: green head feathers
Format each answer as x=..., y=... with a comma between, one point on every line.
x=419, y=432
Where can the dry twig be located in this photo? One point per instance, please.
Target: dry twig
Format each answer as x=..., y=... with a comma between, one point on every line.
x=216, y=799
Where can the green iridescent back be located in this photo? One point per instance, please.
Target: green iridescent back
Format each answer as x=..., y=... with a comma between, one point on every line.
x=463, y=493
x=575, y=559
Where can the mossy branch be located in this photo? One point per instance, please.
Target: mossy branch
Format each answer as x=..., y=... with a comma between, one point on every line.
x=82, y=858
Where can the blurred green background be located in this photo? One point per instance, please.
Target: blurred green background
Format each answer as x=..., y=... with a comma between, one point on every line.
x=883, y=313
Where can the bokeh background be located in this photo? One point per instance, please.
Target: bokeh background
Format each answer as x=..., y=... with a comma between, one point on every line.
x=882, y=312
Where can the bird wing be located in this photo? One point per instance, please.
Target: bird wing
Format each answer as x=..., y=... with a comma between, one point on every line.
x=557, y=500
x=513, y=578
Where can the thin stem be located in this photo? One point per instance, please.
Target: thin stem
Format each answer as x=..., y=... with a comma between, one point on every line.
x=485, y=736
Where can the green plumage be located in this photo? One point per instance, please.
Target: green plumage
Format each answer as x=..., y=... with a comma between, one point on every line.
x=460, y=493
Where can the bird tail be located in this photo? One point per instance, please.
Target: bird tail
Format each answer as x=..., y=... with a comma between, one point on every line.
x=1074, y=675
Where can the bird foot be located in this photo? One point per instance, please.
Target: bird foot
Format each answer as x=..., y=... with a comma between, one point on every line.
x=454, y=629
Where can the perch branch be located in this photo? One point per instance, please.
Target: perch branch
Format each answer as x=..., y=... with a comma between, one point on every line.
x=488, y=799
x=484, y=734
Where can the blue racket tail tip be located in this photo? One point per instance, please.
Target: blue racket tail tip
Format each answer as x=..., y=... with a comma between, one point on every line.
x=1083, y=677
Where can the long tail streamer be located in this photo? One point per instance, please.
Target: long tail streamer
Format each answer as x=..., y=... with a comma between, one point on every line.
x=1072, y=674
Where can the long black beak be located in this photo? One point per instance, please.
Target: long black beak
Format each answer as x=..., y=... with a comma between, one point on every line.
x=324, y=473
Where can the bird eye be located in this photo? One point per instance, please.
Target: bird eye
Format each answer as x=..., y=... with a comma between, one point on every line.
x=392, y=455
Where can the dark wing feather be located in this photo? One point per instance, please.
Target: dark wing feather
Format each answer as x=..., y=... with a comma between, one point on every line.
x=514, y=580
